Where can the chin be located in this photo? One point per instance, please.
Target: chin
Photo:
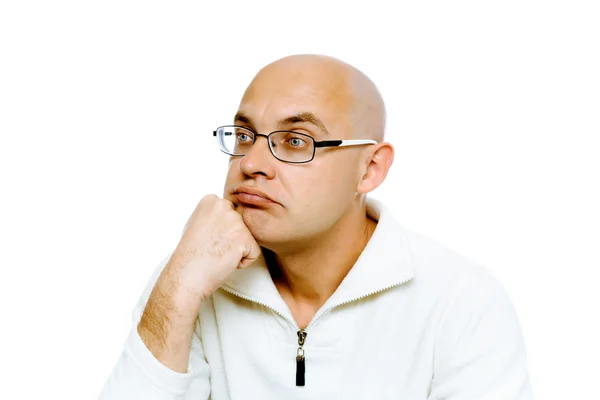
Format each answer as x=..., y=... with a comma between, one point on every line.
x=260, y=222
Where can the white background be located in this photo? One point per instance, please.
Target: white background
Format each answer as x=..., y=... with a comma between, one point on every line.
x=106, y=115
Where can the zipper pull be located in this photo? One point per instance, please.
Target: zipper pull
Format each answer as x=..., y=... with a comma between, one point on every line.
x=300, y=360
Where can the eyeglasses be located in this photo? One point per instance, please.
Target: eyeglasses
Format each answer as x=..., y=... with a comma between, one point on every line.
x=286, y=146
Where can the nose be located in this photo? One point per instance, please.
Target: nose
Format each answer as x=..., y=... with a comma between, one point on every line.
x=258, y=160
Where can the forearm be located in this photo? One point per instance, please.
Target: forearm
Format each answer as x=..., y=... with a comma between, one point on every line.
x=168, y=322
x=139, y=374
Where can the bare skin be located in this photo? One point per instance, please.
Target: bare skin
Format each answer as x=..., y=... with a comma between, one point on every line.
x=215, y=242
x=315, y=224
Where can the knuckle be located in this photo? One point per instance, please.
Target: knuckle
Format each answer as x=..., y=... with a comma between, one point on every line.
x=209, y=198
x=226, y=203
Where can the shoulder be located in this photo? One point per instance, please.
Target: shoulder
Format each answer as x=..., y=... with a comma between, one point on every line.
x=443, y=270
x=454, y=290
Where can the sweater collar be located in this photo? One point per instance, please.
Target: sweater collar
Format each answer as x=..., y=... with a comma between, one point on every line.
x=384, y=263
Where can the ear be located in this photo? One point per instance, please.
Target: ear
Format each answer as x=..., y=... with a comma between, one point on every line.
x=376, y=167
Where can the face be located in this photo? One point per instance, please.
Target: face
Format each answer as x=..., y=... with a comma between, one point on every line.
x=307, y=199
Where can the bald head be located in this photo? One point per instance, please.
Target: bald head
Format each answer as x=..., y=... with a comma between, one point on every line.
x=350, y=95
x=329, y=101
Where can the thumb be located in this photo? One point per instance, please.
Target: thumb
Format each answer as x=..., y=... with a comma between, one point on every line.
x=251, y=253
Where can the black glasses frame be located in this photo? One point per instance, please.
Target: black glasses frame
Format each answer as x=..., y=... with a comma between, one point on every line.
x=316, y=144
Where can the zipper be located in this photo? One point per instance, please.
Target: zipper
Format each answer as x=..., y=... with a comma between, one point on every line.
x=334, y=305
x=303, y=333
x=241, y=296
x=300, y=359
x=300, y=365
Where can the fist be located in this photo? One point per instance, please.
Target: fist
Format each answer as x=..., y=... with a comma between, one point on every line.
x=215, y=242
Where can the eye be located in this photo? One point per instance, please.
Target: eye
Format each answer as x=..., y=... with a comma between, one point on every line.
x=296, y=142
x=242, y=137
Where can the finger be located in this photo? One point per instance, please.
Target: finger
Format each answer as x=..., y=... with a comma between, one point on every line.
x=233, y=205
x=253, y=253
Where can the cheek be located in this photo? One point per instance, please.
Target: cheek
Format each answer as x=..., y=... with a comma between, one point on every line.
x=337, y=174
x=311, y=183
x=233, y=169
x=320, y=187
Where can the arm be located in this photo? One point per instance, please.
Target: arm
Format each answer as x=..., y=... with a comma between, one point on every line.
x=158, y=362
x=163, y=356
x=480, y=352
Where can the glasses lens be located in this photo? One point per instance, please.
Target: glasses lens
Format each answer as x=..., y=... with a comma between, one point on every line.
x=234, y=140
x=292, y=147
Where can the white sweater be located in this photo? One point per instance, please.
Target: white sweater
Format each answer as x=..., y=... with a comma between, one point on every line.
x=411, y=320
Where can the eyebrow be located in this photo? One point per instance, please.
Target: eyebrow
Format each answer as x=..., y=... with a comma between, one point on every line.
x=306, y=116
x=243, y=118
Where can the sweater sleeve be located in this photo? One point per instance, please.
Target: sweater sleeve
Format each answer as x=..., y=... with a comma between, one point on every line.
x=480, y=351
x=139, y=375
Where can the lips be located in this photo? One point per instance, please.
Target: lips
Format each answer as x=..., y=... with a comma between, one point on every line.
x=253, y=197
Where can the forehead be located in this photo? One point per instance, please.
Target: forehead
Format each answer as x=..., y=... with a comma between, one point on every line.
x=275, y=95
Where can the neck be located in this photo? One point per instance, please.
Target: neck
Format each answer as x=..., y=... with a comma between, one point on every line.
x=308, y=276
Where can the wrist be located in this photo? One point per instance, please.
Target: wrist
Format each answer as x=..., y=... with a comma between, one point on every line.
x=187, y=285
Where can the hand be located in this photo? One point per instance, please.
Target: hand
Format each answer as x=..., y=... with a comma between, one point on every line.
x=215, y=242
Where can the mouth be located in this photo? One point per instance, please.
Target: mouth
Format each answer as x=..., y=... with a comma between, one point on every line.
x=252, y=197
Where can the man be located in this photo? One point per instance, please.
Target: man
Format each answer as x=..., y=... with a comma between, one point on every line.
x=294, y=285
